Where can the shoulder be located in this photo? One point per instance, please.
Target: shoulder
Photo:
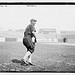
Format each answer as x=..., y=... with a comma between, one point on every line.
x=28, y=26
x=31, y=27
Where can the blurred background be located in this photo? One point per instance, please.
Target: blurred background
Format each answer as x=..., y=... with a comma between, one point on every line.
x=54, y=23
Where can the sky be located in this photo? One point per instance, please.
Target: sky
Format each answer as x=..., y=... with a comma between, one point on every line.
x=60, y=17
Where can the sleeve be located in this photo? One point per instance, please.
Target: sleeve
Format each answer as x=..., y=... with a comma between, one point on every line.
x=27, y=30
x=33, y=35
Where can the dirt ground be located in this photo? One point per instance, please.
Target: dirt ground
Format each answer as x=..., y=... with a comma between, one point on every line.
x=47, y=58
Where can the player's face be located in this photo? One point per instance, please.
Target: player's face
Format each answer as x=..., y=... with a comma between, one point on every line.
x=33, y=22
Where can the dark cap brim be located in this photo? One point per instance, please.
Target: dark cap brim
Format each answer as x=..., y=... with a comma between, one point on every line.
x=33, y=20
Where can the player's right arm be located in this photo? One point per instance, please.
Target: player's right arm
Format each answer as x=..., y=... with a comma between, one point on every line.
x=33, y=30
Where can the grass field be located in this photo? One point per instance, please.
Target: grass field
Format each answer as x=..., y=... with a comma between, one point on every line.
x=49, y=57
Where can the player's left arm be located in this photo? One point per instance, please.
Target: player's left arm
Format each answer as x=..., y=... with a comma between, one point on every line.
x=34, y=36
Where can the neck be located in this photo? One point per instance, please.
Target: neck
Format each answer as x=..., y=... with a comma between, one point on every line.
x=32, y=24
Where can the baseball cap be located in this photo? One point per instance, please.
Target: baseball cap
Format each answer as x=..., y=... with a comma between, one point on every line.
x=33, y=20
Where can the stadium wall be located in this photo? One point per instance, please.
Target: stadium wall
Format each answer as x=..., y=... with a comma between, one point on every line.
x=10, y=39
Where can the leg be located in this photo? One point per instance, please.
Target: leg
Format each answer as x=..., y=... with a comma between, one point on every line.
x=30, y=49
x=29, y=59
x=26, y=56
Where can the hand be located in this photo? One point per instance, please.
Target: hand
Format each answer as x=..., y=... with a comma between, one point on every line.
x=35, y=40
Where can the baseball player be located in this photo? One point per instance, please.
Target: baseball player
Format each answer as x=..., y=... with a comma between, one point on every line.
x=29, y=42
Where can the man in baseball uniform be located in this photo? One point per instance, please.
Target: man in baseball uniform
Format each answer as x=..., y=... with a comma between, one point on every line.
x=28, y=41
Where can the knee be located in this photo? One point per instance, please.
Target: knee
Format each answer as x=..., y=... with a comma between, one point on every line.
x=31, y=50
